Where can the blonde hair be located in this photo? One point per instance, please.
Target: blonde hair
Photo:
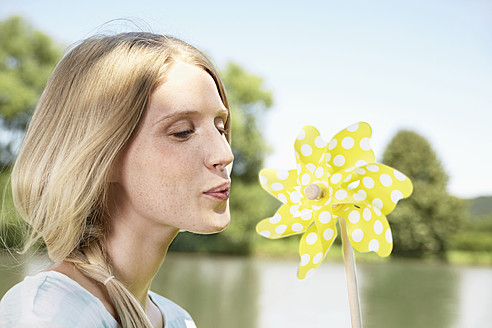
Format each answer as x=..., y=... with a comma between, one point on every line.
x=91, y=106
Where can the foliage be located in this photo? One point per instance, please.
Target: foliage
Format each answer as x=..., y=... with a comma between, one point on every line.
x=424, y=223
x=248, y=101
x=27, y=57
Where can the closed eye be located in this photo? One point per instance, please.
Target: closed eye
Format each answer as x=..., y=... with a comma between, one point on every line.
x=222, y=131
x=184, y=134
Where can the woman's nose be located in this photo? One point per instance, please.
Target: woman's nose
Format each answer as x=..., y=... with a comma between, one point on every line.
x=219, y=153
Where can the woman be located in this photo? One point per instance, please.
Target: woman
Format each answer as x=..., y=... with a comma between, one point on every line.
x=129, y=144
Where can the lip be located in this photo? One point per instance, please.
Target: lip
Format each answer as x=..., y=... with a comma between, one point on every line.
x=221, y=192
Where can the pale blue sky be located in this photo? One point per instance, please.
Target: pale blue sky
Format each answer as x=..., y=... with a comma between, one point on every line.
x=419, y=65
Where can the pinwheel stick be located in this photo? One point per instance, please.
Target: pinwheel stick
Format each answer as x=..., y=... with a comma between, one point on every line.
x=353, y=293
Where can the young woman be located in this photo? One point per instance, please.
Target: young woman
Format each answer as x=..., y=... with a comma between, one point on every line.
x=128, y=145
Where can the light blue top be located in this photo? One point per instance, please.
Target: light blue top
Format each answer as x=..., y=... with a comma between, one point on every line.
x=51, y=299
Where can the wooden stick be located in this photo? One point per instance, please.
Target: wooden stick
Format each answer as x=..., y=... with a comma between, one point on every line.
x=353, y=293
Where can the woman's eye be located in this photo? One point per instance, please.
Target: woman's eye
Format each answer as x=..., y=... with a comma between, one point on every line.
x=220, y=126
x=221, y=130
x=183, y=134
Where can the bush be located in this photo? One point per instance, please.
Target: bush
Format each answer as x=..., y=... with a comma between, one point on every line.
x=473, y=241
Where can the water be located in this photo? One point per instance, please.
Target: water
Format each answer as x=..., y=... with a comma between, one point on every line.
x=223, y=292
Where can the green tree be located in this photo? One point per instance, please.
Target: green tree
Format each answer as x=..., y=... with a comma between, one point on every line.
x=27, y=57
x=249, y=101
x=423, y=223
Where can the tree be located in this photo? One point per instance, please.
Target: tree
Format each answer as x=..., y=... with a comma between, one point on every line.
x=423, y=223
x=27, y=57
x=248, y=101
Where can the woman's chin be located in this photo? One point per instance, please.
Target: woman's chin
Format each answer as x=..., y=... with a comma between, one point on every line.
x=214, y=225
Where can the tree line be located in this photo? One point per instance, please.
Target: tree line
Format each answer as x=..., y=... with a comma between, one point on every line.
x=430, y=222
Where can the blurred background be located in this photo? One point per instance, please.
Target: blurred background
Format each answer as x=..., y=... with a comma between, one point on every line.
x=419, y=72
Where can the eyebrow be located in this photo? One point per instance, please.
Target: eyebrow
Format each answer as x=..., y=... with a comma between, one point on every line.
x=187, y=113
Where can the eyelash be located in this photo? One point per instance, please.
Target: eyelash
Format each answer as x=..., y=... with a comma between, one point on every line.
x=222, y=131
x=186, y=134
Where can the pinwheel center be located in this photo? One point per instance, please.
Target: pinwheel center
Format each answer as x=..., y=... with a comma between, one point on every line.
x=314, y=192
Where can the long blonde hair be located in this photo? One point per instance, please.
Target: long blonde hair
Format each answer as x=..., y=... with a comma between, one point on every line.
x=91, y=106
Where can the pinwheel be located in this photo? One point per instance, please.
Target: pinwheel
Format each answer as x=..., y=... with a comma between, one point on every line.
x=335, y=181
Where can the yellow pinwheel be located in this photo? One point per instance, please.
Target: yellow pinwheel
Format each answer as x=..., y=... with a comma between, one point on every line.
x=332, y=180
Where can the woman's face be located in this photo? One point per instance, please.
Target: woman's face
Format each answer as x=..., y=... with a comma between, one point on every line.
x=174, y=171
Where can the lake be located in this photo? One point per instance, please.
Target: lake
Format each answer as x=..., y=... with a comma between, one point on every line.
x=244, y=292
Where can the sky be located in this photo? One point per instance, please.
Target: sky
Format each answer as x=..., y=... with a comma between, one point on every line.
x=419, y=65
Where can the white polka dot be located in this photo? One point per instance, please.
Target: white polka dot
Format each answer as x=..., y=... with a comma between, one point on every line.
x=281, y=229
x=297, y=227
x=378, y=227
x=282, y=198
x=353, y=185
x=282, y=175
x=360, y=171
x=348, y=142
x=365, y=144
x=319, y=142
x=336, y=178
x=376, y=202
x=305, y=179
x=386, y=180
x=311, y=238
x=317, y=258
x=305, y=259
x=315, y=207
x=357, y=235
x=319, y=172
x=265, y=233
x=263, y=179
x=339, y=160
x=333, y=144
x=354, y=216
x=353, y=127
x=311, y=167
x=275, y=219
x=277, y=186
x=324, y=217
x=389, y=236
x=341, y=194
x=400, y=176
x=368, y=182
x=396, y=195
x=328, y=157
x=367, y=214
x=295, y=197
x=360, y=163
x=294, y=210
x=376, y=210
x=372, y=168
x=301, y=135
x=306, y=214
x=328, y=234
x=360, y=195
x=373, y=245
x=306, y=150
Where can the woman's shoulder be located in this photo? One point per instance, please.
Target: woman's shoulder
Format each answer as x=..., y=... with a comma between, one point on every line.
x=52, y=299
x=174, y=315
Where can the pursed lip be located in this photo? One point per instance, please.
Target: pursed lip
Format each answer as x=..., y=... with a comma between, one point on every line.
x=221, y=192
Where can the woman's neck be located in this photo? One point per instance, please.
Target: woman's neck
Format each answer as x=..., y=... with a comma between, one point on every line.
x=136, y=250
